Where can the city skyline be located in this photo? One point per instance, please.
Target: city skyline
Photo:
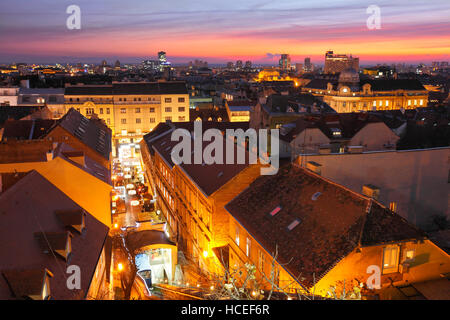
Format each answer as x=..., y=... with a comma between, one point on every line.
x=410, y=32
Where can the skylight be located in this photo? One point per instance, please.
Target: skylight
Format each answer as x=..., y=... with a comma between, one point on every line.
x=275, y=211
x=293, y=224
x=315, y=196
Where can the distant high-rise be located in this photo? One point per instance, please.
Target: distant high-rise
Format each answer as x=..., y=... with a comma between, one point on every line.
x=162, y=57
x=285, y=62
x=230, y=65
x=335, y=63
x=308, y=66
x=117, y=65
x=239, y=64
x=248, y=64
x=299, y=67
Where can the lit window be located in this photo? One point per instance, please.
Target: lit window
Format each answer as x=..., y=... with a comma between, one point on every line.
x=167, y=100
x=390, y=259
x=138, y=120
x=236, y=235
x=248, y=247
x=421, y=102
x=393, y=206
x=123, y=110
x=261, y=260
x=409, y=254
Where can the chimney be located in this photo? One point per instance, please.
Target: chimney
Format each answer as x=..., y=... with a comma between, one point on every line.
x=50, y=155
x=314, y=167
x=371, y=191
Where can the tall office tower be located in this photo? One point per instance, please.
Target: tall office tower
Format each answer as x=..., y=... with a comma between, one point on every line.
x=162, y=57
x=285, y=62
x=308, y=66
x=230, y=65
x=248, y=64
x=299, y=67
x=239, y=65
x=335, y=63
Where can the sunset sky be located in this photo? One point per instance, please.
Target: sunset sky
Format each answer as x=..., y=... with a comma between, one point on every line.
x=221, y=31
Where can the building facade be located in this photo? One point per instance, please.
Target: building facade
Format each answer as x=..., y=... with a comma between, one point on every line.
x=335, y=63
x=131, y=109
x=350, y=94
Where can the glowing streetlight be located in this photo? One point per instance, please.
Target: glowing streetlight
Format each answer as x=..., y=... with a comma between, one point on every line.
x=120, y=267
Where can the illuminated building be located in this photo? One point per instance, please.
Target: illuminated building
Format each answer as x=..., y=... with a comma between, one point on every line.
x=131, y=109
x=285, y=62
x=308, y=65
x=326, y=235
x=271, y=74
x=350, y=94
x=335, y=63
x=192, y=197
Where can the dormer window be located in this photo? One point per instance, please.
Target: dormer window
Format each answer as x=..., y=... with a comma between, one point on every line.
x=59, y=243
x=336, y=132
x=29, y=284
x=74, y=219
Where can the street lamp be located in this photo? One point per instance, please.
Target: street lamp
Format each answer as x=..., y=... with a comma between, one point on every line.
x=120, y=267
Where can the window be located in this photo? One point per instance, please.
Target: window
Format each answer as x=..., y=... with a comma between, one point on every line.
x=101, y=110
x=123, y=110
x=138, y=110
x=248, y=247
x=138, y=120
x=152, y=110
x=89, y=111
x=107, y=111
x=236, y=235
x=261, y=261
x=409, y=102
x=168, y=109
x=180, y=99
x=108, y=121
x=123, y=121
x=393, y=206
x=152, y=120
x=421, y=102
x=168, y=118
x=181, y=109
x=181, y=118
x=390, y=259
x=167, y=100
x=387, y=103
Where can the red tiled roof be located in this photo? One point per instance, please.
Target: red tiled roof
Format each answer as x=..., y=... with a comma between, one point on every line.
x=29, y=207
x=333, y=221
x=209, y=178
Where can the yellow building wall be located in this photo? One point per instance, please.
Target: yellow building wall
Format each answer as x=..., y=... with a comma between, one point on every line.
x=89, y=192
x=428, y=264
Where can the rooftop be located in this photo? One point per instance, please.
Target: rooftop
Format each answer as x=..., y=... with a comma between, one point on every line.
x=28, y=208
x=330, y=221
